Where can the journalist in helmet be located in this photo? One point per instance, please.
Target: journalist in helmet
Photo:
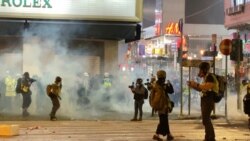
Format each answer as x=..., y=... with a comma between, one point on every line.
x=160, y=101
x=23, y=87
x=140, y=93
x=207, y=88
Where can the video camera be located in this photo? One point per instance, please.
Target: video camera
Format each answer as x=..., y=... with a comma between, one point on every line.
x=132, y=85
x=147, y=83
x=32, y=80
x=245, y=82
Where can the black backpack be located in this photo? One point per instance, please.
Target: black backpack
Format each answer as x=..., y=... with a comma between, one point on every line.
x=222, y=87
x=246, y=103
x=18, y=86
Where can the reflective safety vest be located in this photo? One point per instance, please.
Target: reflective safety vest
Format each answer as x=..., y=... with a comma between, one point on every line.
x=107, y=83
x=10, y=86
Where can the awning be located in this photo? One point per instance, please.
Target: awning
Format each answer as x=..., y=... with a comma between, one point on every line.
x=73, y=29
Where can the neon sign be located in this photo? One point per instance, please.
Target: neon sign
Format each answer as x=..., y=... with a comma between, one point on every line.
x=172, y=28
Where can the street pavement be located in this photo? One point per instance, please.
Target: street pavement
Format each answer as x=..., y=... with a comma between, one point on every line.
x=183, y=128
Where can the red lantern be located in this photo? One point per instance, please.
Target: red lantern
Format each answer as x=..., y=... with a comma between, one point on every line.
x=226, y=46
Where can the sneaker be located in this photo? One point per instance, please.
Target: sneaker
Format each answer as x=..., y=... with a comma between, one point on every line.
x=157, y=138
x=170, y=137
x=53, y=118
x=133, y=119
x=26, y=114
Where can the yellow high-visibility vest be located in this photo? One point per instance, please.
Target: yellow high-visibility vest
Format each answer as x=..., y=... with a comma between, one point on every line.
x=10, y=84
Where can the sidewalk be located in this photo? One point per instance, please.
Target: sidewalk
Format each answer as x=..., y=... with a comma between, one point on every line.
x=95, y=130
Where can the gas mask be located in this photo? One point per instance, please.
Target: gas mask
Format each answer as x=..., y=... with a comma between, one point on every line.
x=59, y=83
x=139, y=82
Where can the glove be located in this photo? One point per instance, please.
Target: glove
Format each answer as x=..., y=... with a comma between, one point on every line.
x=192, y=84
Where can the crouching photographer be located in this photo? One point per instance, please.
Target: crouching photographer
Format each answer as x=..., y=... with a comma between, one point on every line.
x=139, y=92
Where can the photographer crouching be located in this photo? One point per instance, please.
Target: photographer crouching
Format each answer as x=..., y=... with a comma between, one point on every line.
x=139, y=92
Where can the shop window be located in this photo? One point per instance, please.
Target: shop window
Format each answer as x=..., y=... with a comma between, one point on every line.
x=239, y=2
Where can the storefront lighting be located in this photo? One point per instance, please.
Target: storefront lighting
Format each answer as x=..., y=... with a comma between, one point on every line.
x=195, y=56
x=123, y=68
x=132, y=69
x=189, y=58
x=202, y=52
x=219, y=57
x=167, y=41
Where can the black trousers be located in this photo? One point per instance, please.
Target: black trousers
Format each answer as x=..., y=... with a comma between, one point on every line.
x=138, y=107
x=56, y=104
x=163, y=126
x=26, y=100
x=207, y=106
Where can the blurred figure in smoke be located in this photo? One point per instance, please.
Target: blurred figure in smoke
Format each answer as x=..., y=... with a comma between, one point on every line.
x=107, y=86
x=40, y=94
x=177, y=91
x=10, y=94
x=54, y=91
x=82, y=92
x=25, y=83
x=94, y=84
x=139, y=92
x=1, y=93
x=2, y=89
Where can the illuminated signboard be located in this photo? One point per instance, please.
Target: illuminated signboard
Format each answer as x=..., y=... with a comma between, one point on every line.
x=103, y=10
x=247, y=47
x=172, y=28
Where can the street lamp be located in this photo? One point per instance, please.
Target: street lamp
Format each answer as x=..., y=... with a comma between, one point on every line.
x=123, y=68
x=202, y=52
x=189, y=57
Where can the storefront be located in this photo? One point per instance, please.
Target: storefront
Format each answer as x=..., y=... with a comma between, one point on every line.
x=237, y=17
x=65, y=38
x=83, y=28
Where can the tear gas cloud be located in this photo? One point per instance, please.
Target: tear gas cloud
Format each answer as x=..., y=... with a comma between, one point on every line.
x=45, y=54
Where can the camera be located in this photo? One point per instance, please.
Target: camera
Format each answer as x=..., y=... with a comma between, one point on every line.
x=132, y=85
x=147, y=83
x=31, y=80
x=245, y=82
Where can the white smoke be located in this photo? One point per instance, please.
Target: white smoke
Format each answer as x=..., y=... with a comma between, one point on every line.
x=46, y=54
